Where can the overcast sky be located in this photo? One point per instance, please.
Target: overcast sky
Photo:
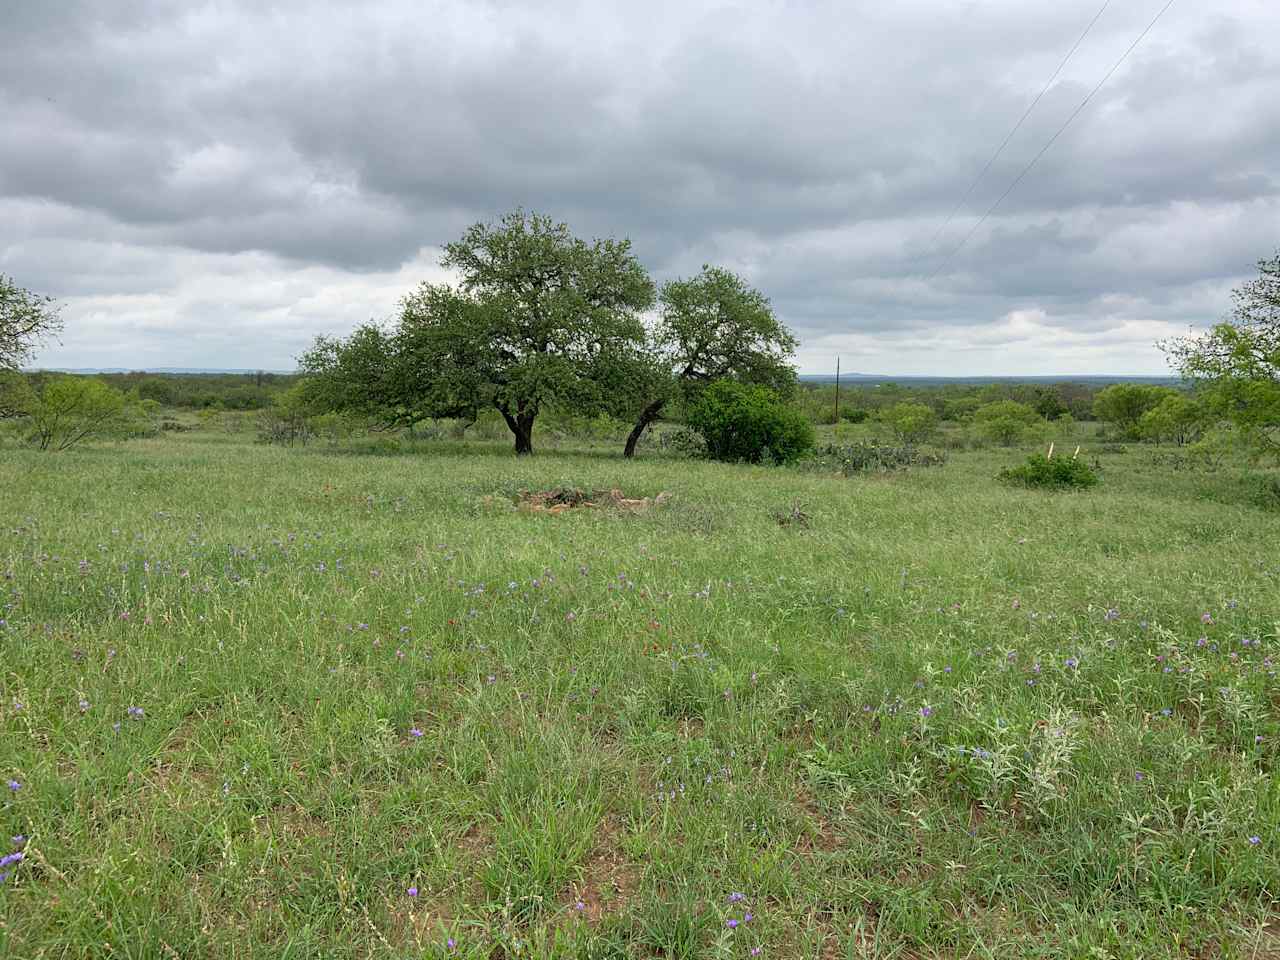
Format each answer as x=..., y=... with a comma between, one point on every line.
x=214, y=184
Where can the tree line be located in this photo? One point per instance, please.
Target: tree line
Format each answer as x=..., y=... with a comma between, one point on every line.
x=541, y=320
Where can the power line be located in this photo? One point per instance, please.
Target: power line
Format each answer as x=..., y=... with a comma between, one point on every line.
x=1045, y=149
x=1021, y=120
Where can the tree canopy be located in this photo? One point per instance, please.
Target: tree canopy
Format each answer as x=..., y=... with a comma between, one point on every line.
x=26, y=318
x=1123, y=404
x=539, y=317
x=1237, y=363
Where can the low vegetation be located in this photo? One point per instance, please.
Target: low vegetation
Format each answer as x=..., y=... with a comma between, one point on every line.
x=1041, y=470
x=262, y=701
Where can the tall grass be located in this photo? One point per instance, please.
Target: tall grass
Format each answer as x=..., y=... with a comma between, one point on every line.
x=254, y=697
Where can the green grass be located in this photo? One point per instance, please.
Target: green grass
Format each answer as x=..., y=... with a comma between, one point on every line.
x=944, y=719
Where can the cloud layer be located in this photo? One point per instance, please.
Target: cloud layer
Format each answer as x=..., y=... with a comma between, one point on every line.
x=214, y=184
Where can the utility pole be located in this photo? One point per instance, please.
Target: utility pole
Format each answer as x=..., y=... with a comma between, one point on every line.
x=837, y=391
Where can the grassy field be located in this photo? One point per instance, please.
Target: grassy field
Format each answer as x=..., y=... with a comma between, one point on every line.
x=258, y=702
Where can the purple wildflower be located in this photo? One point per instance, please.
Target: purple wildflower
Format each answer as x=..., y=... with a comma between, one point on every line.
x=415, y=732
x=412, y=891
x=1206, y=617
x=1255, y=840
x=14, y=786
x=731, y=923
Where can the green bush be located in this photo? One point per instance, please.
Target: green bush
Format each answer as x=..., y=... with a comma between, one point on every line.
x=68, y=410
x=1042, y=471
x=1265, y=491
x=1007, y=422
x=910, y=422
x=749, y=423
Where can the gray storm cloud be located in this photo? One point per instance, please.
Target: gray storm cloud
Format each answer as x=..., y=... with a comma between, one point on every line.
x=213, y=184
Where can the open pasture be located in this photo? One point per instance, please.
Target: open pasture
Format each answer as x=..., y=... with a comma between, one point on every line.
x=258, y=702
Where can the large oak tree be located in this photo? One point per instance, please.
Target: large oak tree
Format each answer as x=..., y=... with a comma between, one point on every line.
x=539, y=317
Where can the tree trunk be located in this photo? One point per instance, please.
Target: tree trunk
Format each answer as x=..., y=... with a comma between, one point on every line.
x=647, y=416
x=521, y=425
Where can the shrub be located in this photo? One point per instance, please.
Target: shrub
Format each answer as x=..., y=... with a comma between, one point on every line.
x=682, y=442
x=1177, y=419
x=1122, y=405
x=854, y=415
x=68, y=410
x=748, y=423
x=910, y=422
x=1006, y=422
x=1042, y=471
x=1265, y=491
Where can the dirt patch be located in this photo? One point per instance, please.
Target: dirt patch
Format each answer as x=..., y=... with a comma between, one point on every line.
x=560, y=499
x=609, y=879
x=475, y=844
x=821, y=835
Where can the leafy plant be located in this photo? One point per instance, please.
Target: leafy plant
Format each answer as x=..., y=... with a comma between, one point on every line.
x=742, y=423
x=1124, y=404
x=69, y=410
x=911, y=422
x=1044, y=471
x=1006, y=422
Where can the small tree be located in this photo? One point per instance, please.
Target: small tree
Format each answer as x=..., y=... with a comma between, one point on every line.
x=910, y=422
x=288, y=420
x=712, y=327
x=1123, y=404
x=68, y=410
x=1176, y=418
x=1237, y=363
x=26, y=319
x=744, y=423
x=1006, y=421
